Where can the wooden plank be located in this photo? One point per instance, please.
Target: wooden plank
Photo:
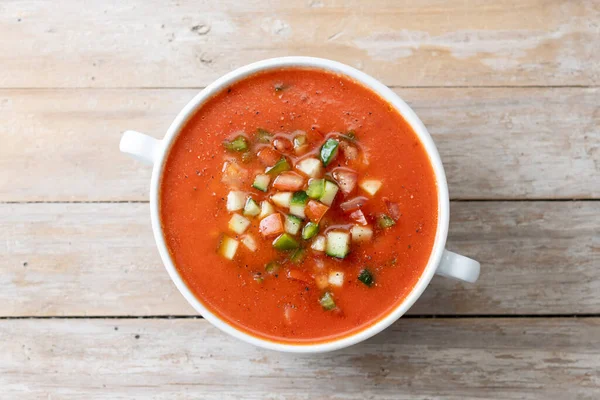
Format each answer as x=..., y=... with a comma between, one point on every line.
x=189, y=44
x=415, y=358
x=100, y=259
x=496, y=143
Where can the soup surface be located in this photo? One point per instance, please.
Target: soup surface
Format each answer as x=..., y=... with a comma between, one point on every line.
x=299, y=206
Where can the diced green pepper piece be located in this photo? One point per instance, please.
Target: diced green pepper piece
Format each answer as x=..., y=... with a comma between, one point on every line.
x=240, y=143
x=263, y=136
x=310, y=230
x=272, y=267
x=316, y=188
x=329, y=151
x=280, y=166
x=298, y=256
x=385, y=221
x=366, y=277
x=327, y=301
x=299, y=198
x=284, y=242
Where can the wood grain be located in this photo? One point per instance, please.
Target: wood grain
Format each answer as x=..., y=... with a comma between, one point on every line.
x=189, y=44
x=415, y=358
x=62, y=145
x=100, y=259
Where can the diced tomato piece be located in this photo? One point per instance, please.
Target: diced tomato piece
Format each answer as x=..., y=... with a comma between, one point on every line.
x=234, y=176
x=288, y=181
x=359, y=217
x=393, y=209
x=268, y=156
x=314, y=136
x=353, y=204
x=346, y=180
x=298, y=275
x=350, y=152
x=315, y=211
x=282, y=144
x=271, y=225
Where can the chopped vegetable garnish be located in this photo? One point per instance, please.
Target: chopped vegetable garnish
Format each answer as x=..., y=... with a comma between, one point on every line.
x=318, y=244
x=292, y=224
x=251, y=208
x=329, y=193
x=247, y=157
x=338, y=244
x=298, y=256
x=263, y=136
x=282, y=144
x=288, y=181
x=350, y=135
x=271, y=225
x=310, y=230
x=321, y=281
x=316, y=188
x=268, y=156
x=279, y=167
x=366, y=277
x=298, y=203
x=282, y=199
x=385, y=221
x=371, y=186
x=238, y=224
x=235, y=201
x=272, y=267
x=350, y=152
x=285, y=242
x=346, y=180
x=359, y=217
x=393, y=209
x=327, y=301
x=298, y=275
x=261, y=182
x=249, y=242
x=280, y=87
x=310, y=166
x=233, y=175
x=315, y=211
x=266, y=209
x=336, y=278
x=228, y=247
x=300, y=144
x=240, y=143
x=329, y=151
x=361, y=233
x=353, y=204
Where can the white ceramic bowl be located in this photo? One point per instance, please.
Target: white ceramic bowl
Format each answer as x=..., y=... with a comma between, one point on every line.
x=441, y=261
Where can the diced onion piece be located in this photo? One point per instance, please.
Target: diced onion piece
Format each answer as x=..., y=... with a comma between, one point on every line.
x=251, y=208
x=310, y=166
x=238, y=224
x=371, y=186
x=235, y=201
x=282, y=199
x=321, y=281
x=338, y=244
x=266, y=209
x=359, y=217
x=288, y=181
x=315, y=211
x=318, y=244
x=346, y=180
x=329, y=193
x=336, y=278
x=353, y=204
x=249, y=242
x=228, y=247
x=361, y=233
x=271, y=225
x=292, y=224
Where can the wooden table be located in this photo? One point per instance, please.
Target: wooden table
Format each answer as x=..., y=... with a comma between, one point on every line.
x=510, y=92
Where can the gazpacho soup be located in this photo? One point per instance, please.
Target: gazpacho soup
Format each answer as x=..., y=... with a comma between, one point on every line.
x=298, y=206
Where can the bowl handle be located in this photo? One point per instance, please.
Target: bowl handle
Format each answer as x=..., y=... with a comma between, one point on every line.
x=458, y=267
x=139, y=146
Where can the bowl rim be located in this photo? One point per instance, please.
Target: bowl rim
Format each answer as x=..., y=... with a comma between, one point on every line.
x=383, y=91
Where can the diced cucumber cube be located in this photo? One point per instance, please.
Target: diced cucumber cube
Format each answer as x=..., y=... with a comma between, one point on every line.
x=316, y=188
x=361, y=233
x=327, y=301
x=228, y=247
x=310, y=166
x=336, y=278
x=385, y=221
x=261, y=182
x=338, y=244
x=282, y=199
x=266, y=209
x=249, y=242
x=235, y=201
x=366, y=277
x=298, y=210
x=329, y=192
x=329, y=151
x=280, y=166
x=298, y=256
x=318, y=244
x=299, y=198
x=310, y=230
x=285, y=242
x=292, y=224
x=371, y=186
x=238, y=224
x=251, y=209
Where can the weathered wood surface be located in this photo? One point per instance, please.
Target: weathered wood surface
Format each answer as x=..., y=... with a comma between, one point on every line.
x=497, y=143
x=188, y=44
x=416, y=358
x=100, y=259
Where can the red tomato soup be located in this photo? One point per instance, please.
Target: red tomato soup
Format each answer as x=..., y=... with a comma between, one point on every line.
x=299, y=206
